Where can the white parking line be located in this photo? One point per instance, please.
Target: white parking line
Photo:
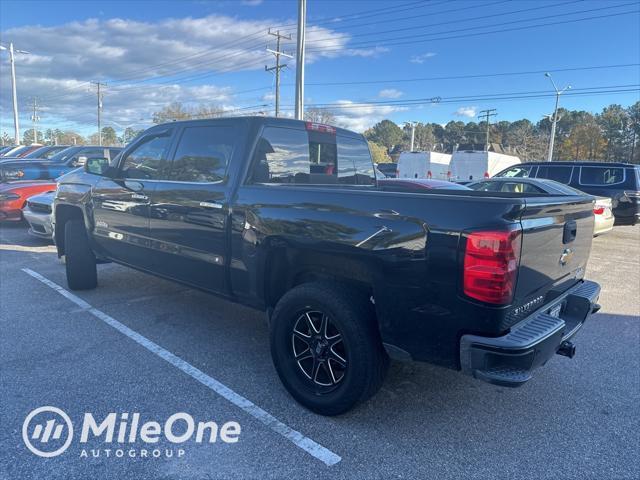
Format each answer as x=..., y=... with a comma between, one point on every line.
x=311, y=447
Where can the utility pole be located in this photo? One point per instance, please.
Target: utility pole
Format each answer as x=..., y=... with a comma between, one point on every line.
x=100, y=95
x=487, y=114
x=35, y=119
x=278, y=67
x=413, y=133
x=555, y=118
x=302, y=19
x=16, y=121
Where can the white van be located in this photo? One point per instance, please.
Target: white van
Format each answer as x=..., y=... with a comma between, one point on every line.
x=424, y=165
x=475, y=165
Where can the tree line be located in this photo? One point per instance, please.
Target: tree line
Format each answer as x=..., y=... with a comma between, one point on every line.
x=611, y=135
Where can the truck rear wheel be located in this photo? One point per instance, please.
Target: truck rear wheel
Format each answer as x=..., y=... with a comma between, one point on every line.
x=80, y=260
x=326, y=347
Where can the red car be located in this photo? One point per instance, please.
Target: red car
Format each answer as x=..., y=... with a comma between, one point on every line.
x=410, y=184
x=14, y=195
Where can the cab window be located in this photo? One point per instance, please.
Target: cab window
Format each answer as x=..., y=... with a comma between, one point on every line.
x=203, y=154
x=148, y=160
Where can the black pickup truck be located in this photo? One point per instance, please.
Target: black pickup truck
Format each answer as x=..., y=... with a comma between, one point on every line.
x=286, y=216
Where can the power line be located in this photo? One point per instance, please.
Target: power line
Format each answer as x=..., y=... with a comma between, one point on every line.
x=480, y=97
x=459, y=20
x=480, y=75
x=527, y=27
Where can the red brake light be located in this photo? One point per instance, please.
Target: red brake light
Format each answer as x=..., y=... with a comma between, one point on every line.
x=319, y=127
x=491, y=262
x=486, y=174
x=429, y=174
x=598, y=210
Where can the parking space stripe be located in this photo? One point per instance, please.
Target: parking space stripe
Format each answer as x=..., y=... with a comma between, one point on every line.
x=313, y=448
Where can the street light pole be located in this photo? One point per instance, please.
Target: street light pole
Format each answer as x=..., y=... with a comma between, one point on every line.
x=302, y=18
x=16, y=120
x=555, y=115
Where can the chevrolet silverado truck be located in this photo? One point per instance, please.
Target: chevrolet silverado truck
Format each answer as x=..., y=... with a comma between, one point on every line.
x=286, y=216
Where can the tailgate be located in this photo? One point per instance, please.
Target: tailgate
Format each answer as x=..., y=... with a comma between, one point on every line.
x=556, y=242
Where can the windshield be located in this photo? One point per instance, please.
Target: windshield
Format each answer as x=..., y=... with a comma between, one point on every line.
x=64, y=154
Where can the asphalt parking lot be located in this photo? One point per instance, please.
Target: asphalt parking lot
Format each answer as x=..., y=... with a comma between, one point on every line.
x=577, y=418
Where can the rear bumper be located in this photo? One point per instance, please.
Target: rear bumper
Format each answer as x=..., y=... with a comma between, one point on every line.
x=511, y=359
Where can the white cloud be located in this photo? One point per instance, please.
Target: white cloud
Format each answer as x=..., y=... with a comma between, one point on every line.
x=360, y=116
x=147, y=65
x=390, y=93
x=469, y=112
x=422, y=57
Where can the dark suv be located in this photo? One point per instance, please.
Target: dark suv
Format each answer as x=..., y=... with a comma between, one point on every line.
x=618, y=181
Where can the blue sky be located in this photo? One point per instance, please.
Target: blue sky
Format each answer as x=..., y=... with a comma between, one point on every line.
x=213, y=52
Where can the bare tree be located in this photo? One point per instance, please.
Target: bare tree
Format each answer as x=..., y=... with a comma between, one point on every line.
x=319, y=115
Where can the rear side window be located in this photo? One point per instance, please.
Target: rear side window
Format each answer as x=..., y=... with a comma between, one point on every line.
x=148, y=160
x=285, y=155
x=354, y=153
x=203, y=154
x=524, y=171
x=601, y=175
x=560, y=174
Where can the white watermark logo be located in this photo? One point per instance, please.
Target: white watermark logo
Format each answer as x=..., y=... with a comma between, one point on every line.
x=52, y=428
x=48, y=432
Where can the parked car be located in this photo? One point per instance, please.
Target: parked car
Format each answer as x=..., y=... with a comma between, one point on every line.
x=412, y=184
x=14, y=196
x=618, y=181
x=38, y=214
x=62, y=162
x=389, y=169
x=45, y=153
x=523, y=185
x=603, y=214
x=40, y=153
x=16, y=151
x=5, y=149
x=285, y=216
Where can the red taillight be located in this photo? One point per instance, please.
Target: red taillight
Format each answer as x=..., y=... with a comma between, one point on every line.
x=598, y=210
x=486, y=174
x=429, y=174
x=319, y=127
x=491, y=265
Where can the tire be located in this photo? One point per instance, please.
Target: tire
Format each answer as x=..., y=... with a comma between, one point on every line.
x=80, y=261
x=334, y=388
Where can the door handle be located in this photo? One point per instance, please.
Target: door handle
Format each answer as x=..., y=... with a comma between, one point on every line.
x=214, y=205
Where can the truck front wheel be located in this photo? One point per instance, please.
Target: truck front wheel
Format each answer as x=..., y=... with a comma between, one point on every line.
x=326, y=347
x=80, y=260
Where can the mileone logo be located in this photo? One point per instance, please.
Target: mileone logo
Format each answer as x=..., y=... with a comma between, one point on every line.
x=48, y=432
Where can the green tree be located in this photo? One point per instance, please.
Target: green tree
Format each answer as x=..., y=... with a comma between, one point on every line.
x=109, y=137
x=614, y=123
x=385, y=133
x=378, y=153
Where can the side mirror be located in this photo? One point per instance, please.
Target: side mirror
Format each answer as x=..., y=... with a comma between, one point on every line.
x=82, y=160
x=96, y=166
